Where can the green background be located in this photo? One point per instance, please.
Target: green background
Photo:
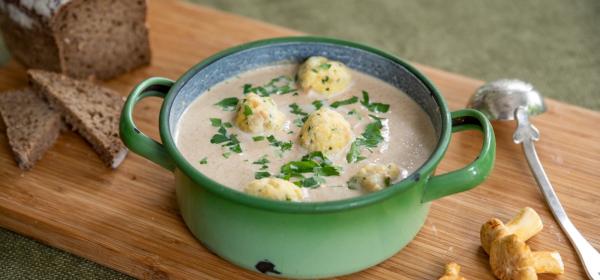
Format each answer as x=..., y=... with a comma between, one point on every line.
x=554, y=44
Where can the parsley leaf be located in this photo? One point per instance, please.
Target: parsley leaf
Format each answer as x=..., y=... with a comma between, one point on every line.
x=318, y=104
x=296, y=110
x=325, y=66
x=348, y=101
x=370, y=138
x=215, y=122
x=258, y=138
x=247, y=110
x=373, y=107
x=204, y=160
x=353, y=112
x=315, y=163
x=262, y=160
x=261, y=174
x=281, y=145
x=226, y=140
x=279, y=85
x=228, y=104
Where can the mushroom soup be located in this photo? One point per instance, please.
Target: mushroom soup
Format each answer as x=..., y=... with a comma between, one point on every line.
x=315, y=132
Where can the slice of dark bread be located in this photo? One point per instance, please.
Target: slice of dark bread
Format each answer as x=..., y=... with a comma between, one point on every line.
x=92, y=110
x=31, y=126
x=80, y=38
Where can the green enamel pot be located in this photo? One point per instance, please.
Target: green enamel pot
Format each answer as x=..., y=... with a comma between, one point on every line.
x=312, y=239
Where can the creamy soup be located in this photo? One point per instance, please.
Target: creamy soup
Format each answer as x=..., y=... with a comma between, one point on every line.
x=408, y=136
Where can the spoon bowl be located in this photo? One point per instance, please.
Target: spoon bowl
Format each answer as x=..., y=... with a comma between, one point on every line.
x=499, y=99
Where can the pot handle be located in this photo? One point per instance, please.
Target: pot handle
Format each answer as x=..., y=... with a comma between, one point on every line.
x=477, y=171
x=133, y=138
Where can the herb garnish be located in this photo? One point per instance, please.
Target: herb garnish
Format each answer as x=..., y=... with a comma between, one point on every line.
x=247, y=110
x=282, y=145
x=325, y=66
x=228, y=104
x=315, y=163
x=296, y=110
x=353, y=112
x=279, y=85
x=370, y=138
x=258, y=138
x=204, y=160
x=318, y=104
x=222, y=137
x=373, y=107
x=262, y=161
x=261, y=174
x=348, y=101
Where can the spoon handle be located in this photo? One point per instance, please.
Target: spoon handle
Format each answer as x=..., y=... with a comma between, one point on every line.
x=526, y=134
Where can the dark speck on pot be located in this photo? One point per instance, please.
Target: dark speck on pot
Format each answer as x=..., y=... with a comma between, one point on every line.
x=266, y=266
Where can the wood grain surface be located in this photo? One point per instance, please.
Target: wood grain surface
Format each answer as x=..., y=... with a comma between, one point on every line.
x=128, y=219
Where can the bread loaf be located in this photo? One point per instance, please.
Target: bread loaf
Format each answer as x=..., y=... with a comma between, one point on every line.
x=80, y=38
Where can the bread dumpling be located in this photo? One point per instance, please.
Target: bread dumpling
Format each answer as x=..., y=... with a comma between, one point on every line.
x=374, y=177
x=274, y=188
x=324, y=76
x=326, y=131
x=257, y=114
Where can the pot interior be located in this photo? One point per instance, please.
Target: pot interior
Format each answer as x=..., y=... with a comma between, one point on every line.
x=294, y=52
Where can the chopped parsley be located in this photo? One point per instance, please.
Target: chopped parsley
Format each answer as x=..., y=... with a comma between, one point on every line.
x=223, y=138
x=262, y=161
x=281, y=145
x=279, y=85
x=247, y=110
x=370, y=138
x=353, y=112
x=325, y=66
x=318, y=104
x=373, y=107
x=204, y=160
x=348, y=101
x=296, y=110
x=314, y=163
x=226, y=154
x=216, y=122
x=228, y=104
x=258, y=138
x=261, y=174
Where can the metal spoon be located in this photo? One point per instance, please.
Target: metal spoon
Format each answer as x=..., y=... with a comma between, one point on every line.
x=514, y=99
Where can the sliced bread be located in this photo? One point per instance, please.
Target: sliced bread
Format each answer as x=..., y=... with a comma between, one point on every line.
x=92, y=110
x=31, y=126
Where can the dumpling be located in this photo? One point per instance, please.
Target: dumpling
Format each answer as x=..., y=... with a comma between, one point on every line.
x=274, y=188
x=257, y=114
x=374, y=177
x=326, y=131
x=324, y=76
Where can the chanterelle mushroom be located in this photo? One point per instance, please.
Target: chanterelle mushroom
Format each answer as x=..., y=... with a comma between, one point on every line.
x=525, y=225
x=452, y=272
x=511, y=259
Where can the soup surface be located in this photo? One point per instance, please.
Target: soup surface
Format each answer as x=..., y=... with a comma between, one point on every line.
x=408, y=134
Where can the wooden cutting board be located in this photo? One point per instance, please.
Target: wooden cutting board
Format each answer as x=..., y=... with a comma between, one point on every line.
x=128, y=219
